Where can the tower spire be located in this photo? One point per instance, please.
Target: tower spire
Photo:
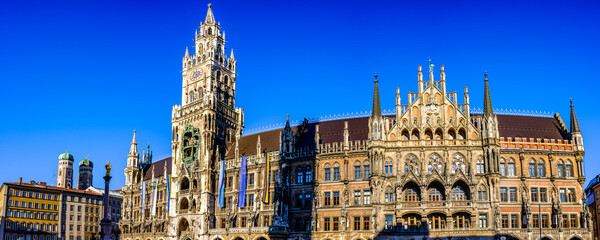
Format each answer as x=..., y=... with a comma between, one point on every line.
x=376, y=111
x=133, y=149
x=574, y=122
x=487, y=99
x=210, y=18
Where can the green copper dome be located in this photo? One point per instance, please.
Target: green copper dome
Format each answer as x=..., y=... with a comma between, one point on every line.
x=86, y=162
x=65, y=156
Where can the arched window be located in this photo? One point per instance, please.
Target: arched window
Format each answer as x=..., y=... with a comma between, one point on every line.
x=307, y=174
x=389, y=195
x=511, y=167
x=458, y=163
x=458, y=194
x=299, y=175
x=569, y=169
x=405, y=135
x=366, y=169
x=560, y=168
x=480, y=166
x=411, y=193
x=438, y=133
x=462, y=134
x=415, y=134
x=502, y=167
x=388, y=168
x=411, y=165
x=184, y=205
x=541, y=168
x=327, y=170
x=185, y=184
x=357, y=170
x=435, y=163
x=532, y=168
x=451, y=134
x=435, y=194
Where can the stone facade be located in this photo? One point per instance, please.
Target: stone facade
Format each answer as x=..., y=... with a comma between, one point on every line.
x=432, y=170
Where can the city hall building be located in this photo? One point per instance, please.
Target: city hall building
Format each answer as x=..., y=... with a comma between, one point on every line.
x=431, y=169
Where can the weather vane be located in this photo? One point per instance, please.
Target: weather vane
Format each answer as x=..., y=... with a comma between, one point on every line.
x=430, y=64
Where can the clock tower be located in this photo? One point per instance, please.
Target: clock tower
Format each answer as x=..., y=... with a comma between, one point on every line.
x=203, y=126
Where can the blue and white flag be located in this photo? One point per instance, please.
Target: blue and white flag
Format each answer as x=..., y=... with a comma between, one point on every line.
x=143, y=199
x=222, y=186
x=168, y=191
x=243, y=182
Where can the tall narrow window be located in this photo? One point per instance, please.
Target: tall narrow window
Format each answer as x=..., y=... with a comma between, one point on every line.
x=357, y=197
x=511, y=169
x=367, y=171
x=480, y=166
x=532, y=169
x=308, y=175
x=357, y=172
x=327, y=174
x=336, y=173
x=568, y=169
x=541, y=172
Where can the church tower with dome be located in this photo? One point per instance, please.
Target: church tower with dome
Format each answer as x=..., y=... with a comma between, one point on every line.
x=85, y=178
x=65, y=171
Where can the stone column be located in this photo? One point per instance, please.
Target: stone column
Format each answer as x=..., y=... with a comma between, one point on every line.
x=106, y=224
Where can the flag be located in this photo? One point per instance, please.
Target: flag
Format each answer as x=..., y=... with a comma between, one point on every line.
x=222, y=186
x=267, y=179
x=143, y=199
x=153, y=203
x=168, y=191
x=243, y=182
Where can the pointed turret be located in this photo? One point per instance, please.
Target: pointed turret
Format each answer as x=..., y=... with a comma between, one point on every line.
x=133, y=161
x=487, y=99
x=210, y=18
x=376, y=111
x=187, y=53
x=574, y=123
x=133, y=148
x=231, y=55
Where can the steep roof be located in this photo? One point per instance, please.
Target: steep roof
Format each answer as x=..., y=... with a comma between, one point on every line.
x=333, y=131
x=159, y=168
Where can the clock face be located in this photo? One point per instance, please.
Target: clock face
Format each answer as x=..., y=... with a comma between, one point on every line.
x=196, y=74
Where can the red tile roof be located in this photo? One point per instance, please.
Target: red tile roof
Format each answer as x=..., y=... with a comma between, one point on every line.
x=54, y=188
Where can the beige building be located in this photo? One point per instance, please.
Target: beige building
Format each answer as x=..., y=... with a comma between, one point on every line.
x=431, y=169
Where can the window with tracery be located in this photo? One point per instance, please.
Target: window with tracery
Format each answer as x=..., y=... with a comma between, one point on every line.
x=458, y=163
x=388, y=168
x=411, y=165
x=435, y=163
x=480, y=166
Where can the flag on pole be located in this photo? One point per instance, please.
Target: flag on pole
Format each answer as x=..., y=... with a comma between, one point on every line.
x=143, y=199
x=168, y=191
x=267, y=179
x=243, y=182
x=222, y=185
x=154, y=196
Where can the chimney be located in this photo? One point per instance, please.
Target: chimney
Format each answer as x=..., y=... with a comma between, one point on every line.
x=43, y=184
x=20, y=180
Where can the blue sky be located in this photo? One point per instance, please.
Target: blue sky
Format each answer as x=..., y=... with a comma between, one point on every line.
x=81, y=75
